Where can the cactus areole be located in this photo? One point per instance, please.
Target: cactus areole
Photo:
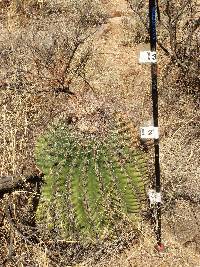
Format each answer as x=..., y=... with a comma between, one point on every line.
x=94, y=180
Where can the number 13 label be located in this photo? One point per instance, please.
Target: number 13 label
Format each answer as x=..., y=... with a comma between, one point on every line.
x=147, y=57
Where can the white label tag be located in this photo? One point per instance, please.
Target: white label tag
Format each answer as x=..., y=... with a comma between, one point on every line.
x=149, y=132
x=154, y=197
x=147, y=57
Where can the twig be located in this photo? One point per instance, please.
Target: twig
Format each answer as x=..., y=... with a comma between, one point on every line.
x=10, y=183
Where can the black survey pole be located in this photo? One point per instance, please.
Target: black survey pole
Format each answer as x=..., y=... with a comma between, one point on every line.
x=154, y=89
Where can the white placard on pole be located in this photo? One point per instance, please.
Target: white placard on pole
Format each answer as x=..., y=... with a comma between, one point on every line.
x=154, y=197
x=147, y=57
x=149, y=132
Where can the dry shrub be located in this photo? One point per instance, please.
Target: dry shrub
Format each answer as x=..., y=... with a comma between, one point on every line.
x=18, y=13
x=134, y=32
x=51, y=51
x=178, y=31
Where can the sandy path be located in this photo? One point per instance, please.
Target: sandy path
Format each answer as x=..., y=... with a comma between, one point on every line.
x=116, y=70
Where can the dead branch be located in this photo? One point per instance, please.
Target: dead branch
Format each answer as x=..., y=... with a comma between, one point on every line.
x=9, y=184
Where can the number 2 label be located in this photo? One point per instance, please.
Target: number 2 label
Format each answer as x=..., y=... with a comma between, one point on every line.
x=149, y=132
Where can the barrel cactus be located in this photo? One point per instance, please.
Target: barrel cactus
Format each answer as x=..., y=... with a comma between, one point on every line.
x=93, y=179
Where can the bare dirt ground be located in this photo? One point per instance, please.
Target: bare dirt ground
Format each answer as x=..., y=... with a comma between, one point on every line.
x=120, y=83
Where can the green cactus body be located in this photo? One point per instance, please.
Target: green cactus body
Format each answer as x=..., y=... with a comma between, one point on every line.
x=91, y=180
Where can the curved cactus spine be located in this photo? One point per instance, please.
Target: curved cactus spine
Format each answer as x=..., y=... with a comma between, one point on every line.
x=94, y=193
x=77, y=193
x=90, y=181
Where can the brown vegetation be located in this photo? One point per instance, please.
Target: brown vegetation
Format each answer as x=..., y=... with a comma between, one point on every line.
x=69, y=59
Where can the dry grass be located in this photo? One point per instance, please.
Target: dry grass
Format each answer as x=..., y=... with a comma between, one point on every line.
x=144, y=254
x=119, y=83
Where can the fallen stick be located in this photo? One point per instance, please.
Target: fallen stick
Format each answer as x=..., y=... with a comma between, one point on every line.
x=10, y=183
